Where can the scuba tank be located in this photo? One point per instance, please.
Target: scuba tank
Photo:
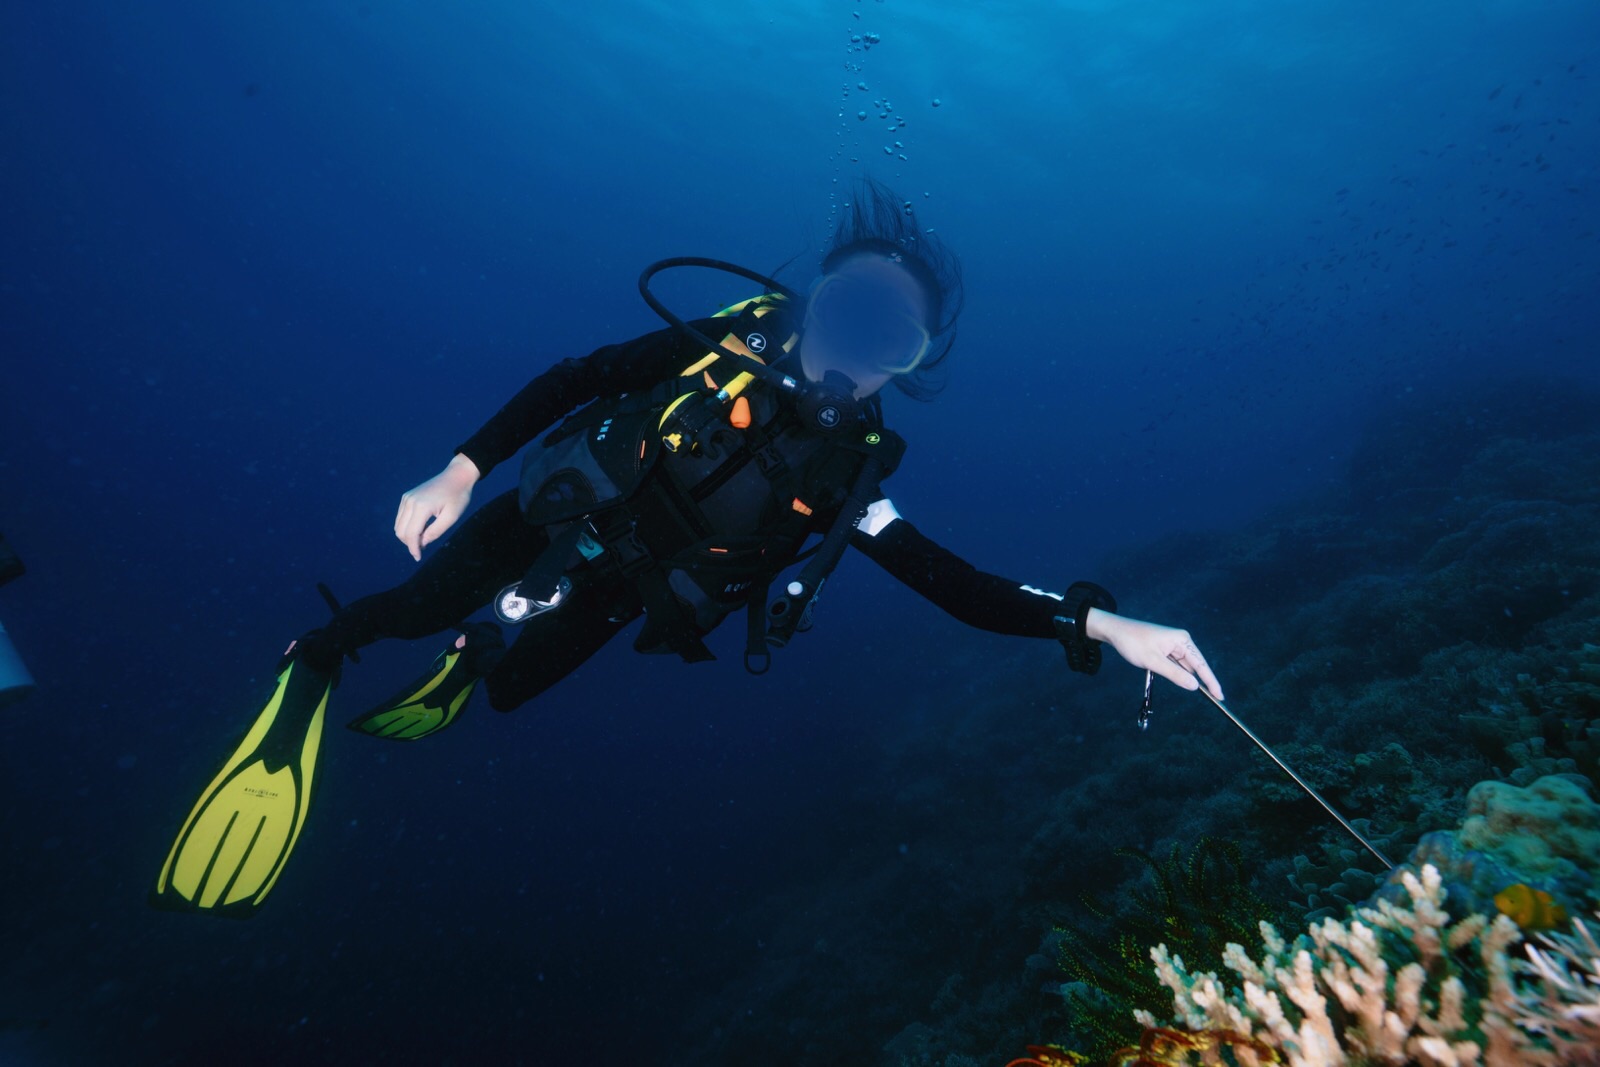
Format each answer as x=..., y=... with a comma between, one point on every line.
x=15, y=681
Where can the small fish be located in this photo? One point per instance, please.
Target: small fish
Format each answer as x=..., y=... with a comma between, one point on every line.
x=1530, y=908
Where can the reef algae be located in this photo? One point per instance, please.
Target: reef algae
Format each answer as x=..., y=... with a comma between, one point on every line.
x=1196, y=903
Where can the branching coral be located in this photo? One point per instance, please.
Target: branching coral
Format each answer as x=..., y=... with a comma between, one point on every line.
x=1389, y=985
x=1397, y=981
x=1564, y=1006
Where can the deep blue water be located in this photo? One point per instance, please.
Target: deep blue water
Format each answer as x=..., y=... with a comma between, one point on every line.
x=264, y=267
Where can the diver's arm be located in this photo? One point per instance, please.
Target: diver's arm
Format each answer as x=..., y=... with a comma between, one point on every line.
x=430, y=509
x=976, y=598
x=622, y=368
x=992, y=603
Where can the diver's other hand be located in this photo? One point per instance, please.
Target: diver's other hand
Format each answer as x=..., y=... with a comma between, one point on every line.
x=1168, y=651
x=430, y=509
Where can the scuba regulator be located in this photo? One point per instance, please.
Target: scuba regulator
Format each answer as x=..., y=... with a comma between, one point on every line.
x=828, y=407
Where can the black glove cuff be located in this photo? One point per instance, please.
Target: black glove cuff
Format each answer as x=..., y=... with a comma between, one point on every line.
x=1083, y=654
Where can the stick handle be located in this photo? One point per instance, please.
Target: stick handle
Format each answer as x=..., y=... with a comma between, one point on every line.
x=1301, y=782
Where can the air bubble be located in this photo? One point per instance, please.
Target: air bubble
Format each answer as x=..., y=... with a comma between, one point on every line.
x=936, y=101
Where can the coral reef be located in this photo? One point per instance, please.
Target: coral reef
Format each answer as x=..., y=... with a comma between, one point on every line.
x=1390, y=985
x=1162, y=1046
x=1198, y=902
x=1335, y=883
x=1048, y=1056
x=1395, y=980
x=1545, y=727
x=1550, y=826
x=1565, y=1008
x=1546, y=836
x=1427, y=623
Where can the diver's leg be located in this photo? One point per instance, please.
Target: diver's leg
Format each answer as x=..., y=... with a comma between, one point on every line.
x=554, y=644
x=487, y=552
x=232, y=847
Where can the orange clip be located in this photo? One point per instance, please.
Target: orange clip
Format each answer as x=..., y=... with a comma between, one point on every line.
x=741, y=414
x=800, y=506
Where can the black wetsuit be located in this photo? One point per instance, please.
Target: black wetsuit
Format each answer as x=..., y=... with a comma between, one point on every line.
x=495, y=546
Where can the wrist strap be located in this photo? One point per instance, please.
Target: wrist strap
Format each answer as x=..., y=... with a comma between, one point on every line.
x=1083, y=654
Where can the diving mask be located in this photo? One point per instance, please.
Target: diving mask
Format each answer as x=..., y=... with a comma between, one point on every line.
x=867, y=325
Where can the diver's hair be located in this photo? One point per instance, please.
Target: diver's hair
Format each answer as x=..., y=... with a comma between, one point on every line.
x=877, y=220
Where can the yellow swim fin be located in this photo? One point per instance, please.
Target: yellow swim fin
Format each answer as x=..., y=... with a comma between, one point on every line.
x=433, y=701
x=234, y=843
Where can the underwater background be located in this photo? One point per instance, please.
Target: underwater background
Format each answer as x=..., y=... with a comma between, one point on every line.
x=1283, y=322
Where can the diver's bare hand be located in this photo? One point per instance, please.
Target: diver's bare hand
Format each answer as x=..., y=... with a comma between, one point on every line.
x=430, y=509
x=1168, y=652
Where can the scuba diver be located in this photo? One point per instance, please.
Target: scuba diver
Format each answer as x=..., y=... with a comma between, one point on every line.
x=692, y=468
x=15, y=681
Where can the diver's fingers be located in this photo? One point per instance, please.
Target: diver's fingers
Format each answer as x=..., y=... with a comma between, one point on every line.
x=402, y=516
x=1213, y=686
x=441, y=522
x=1175, y=674
x=409, y=529
x=1190, y=658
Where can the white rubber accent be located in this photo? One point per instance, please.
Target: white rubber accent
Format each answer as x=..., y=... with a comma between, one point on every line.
x=879, y=514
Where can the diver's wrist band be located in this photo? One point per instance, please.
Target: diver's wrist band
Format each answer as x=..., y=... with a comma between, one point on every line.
x=1083, y=653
